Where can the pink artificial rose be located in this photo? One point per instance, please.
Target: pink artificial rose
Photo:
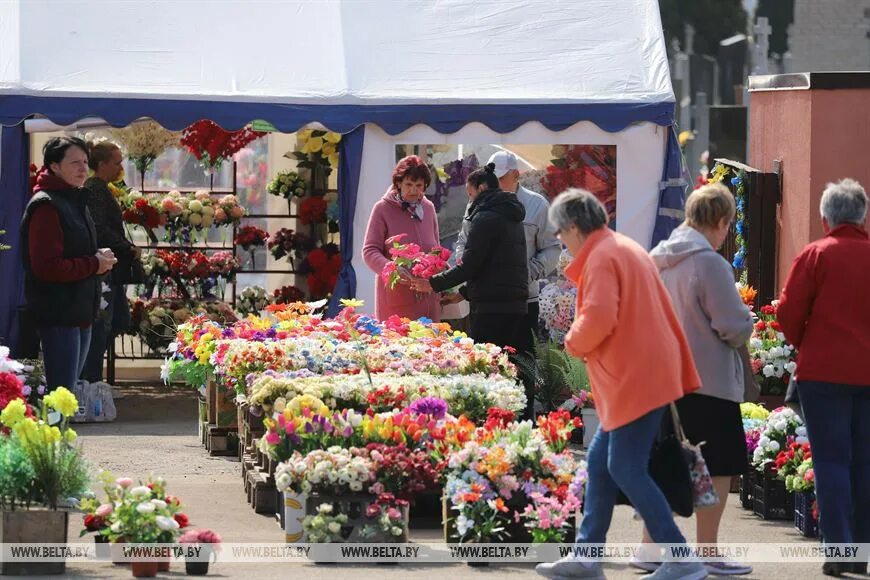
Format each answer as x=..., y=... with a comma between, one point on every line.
x=272, y=438
x=396, y=239
x=220, y=215
x=394, y=514
x=237, y=212
x=104, y=510
x=377, y=488
x=810, y=475
x=124, y=482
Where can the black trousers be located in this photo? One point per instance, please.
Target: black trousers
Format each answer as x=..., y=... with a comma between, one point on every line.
x=514, y=330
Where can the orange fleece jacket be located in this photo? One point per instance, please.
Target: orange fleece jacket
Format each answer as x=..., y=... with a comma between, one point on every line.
x=626, y=329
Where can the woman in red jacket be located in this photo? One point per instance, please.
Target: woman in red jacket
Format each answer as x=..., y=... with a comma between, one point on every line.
x=825, y=314
x=62, y=261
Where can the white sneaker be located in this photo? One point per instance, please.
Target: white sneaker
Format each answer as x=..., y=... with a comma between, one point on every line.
x=647, y=558
x=679, y=571
x=728, y=568
x=570, y=567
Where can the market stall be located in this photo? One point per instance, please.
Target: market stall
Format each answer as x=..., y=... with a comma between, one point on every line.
x=323, y=62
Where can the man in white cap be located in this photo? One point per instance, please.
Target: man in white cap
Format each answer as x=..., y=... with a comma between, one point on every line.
x=542, y=247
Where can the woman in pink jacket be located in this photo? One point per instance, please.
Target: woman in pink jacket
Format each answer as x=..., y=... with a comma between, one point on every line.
x=404, y=209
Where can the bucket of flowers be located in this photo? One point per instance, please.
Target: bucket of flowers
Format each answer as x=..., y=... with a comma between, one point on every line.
x=773, y=359
x=770, y=498
x=200, y=546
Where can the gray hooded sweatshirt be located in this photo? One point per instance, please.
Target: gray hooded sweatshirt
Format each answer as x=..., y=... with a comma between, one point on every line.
x=714, y=318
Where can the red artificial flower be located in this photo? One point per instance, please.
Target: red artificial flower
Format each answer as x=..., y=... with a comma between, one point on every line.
x=768, y=310
x=182, y=520
x=207, y=140
x=760, y=325
x=312, y=210
x=94, y=523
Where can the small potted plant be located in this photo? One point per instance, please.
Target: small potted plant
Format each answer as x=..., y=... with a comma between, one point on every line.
x=199, y=545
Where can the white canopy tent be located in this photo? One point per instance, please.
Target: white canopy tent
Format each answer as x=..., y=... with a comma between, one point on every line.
x=409, y=71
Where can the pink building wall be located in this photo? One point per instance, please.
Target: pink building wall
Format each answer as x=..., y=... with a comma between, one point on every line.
x=820, y=135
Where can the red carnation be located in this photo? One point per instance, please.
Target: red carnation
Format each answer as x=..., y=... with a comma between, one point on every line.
x=182, y=520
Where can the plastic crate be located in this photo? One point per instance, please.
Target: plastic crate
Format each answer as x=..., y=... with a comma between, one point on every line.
x=804, y=522
x=746, y=488
x=771, y=501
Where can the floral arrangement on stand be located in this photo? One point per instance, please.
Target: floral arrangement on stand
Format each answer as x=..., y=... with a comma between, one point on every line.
x=409, y=258
x=290, y=244
x=773, y=359
x=288, y=184
x=144, y=142
x=249, y=238
x=251, y=300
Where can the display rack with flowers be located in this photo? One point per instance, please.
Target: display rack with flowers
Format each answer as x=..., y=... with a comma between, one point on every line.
x=589, y=167
x=773, y=359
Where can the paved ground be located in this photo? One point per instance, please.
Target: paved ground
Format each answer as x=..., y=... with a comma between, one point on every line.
x=156, y=432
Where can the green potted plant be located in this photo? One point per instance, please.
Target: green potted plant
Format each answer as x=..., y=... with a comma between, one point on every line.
x=545, y=367
x=40, y=470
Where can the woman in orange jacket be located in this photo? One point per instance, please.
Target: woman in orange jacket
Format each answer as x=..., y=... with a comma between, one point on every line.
x=638, y=362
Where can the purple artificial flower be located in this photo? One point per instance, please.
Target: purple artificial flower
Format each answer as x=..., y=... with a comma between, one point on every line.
x=433, y=406
x=228, y=333
x=40, y=390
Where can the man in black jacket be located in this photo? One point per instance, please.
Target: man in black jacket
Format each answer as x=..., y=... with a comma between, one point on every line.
x=493, y=263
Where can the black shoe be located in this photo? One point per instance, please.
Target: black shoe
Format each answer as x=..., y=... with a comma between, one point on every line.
x=836, y=569
x=859, y=568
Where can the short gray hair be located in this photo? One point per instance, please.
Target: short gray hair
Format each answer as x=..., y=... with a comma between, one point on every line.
x=844, y=202
x=577, y=207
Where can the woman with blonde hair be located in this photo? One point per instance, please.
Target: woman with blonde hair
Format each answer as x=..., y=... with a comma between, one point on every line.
x=716, y=322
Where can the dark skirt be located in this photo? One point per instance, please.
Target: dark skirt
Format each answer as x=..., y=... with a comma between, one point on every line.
x=718, y=424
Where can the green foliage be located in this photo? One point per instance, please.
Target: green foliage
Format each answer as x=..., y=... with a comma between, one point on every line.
x=16, y=474
x=554, y=372
x=713, y=21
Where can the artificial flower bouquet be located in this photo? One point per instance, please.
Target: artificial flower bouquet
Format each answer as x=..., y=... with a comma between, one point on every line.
x=325, y=525
x=287, y=184
x=511, y=473
x=389, y=519
x=228, y=211
x=211, y=144
x=409, y=258
x=141, y=514
x=250, y=237
x=772, y=358
x=39, y=462
x=251, y=300
x=794, y=466
x=139, y=210
x=782, y=427
x=290, y=244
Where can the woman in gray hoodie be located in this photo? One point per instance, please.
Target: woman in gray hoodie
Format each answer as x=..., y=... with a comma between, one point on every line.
x=716, y=322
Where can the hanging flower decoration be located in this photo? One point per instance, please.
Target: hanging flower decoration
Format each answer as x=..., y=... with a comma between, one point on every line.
x=590, y=167
x=313, y=211
x=739, y=261
x=144, y=142
x=212, y=145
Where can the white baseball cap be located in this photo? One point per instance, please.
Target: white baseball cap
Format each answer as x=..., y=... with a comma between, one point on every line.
x=504, y=162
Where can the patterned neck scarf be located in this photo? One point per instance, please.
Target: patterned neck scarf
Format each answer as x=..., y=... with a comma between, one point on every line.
x=415, y=210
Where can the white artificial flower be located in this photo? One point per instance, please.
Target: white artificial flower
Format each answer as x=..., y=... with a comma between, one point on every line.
x=145, y=508
x=140, y=491
x=763, y=441
x=791, y=367
x=774, y=446
x=801, y=440
x=165, y=523
x=781, y=425
x=801, y=431
x=159, y=503
x=116, y=528
x=768, y=370
x=755, y=343
x=334, y=527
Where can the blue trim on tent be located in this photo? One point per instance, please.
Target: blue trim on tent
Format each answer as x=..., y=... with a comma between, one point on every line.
x=14, y=187
x=674, y=184
x=178, y=114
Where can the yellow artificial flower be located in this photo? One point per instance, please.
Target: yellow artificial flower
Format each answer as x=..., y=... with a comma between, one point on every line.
x=70, y=436
x=328, y=149
x=313, y=145
x=332, y=137
x=13, y=413
x=117, y=192
x=304, y=135
x=51, y=434
x=333, y=159
x=63, y=401
x=351, y=302
x=26, y=431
